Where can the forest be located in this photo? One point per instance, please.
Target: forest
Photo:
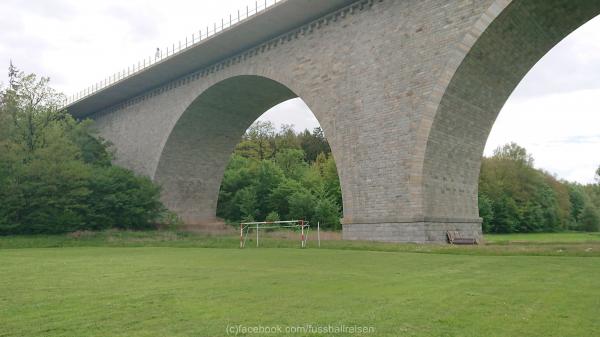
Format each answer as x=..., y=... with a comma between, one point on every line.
x=515, y=197
x=281, y=175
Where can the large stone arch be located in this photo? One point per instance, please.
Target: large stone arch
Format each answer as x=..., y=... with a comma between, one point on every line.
x=509, y=39
x=195, y=154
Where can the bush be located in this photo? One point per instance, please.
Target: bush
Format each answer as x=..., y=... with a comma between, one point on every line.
x=272, y=217
x=327, y=214
x=121, y=199
x=486, y=212
x=302, y=205
x=590, y=219
x=56, y=176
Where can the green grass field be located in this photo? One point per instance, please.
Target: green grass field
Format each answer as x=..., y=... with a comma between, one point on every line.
x=168, y=284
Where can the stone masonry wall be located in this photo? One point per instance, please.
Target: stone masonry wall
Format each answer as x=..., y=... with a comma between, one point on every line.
x=398, y=87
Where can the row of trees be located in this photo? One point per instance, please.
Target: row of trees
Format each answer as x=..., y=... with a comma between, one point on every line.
x=516, y=197
x=284, y=174
x=281, y=175
x=55, y=175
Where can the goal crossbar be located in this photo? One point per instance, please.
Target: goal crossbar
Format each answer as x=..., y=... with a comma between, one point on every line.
x=297, y=224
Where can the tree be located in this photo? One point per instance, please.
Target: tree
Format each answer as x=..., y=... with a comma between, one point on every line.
x=523, y=198
x=279, y=198
x=94, y=149
x=55, y=175
x=486, y=212
x=240, y=173
x=563, y=203
x=262, y=134
x=272, y=217
x=52, y=189
x=514, y=152
x=32, y=106
x=285, y=180
x=532, y=218
x=590, y=219
x=331, y=180
x=578, y=203
x=302, y=205
x=314, y=143
x=506, y=216
x=327, y=214
x=121, y=199
x=269, y=176
x=286, y=138
x=291, y=162
x=247, y=203
x=598, y=175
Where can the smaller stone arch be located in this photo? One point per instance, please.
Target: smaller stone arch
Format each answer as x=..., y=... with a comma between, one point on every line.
x=198, y=148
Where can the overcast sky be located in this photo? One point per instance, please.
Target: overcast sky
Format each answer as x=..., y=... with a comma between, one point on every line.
x=554, y=112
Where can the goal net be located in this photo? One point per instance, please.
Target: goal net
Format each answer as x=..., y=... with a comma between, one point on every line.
x=255, y=228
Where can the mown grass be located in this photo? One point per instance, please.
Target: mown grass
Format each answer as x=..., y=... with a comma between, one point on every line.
x=165, y=291
x=537, y=238
x=120, y=283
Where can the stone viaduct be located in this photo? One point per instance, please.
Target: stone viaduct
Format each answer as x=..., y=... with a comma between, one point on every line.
x=406, y=91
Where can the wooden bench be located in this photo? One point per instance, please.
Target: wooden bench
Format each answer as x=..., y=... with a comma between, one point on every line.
x=455, y=238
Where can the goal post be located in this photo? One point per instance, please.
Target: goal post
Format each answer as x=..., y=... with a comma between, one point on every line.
x=302, y=226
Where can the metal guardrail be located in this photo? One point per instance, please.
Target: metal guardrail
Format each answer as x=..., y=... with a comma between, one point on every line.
x=175, y=48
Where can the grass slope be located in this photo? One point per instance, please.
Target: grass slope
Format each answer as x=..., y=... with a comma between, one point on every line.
x=162, y=291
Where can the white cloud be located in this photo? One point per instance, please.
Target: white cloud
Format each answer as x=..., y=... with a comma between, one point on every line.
x=78, y=43
x=571, y=65
x=562, y=131
x=294, y=112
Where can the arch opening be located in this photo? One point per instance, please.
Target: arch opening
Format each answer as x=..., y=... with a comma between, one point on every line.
x=559, y=97
x=515, y=40
x=198, y=152
x=282, y=172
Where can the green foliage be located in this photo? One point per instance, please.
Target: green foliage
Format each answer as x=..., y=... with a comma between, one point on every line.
x=302, y=205
x=273, y=216
x=524, y=199
x=578, y=203
x=270, y=176
x=314, y=144
x=515, y=153
x=120, y=199
x=506, y=216
x=278, y=199
x=55, y=175
x=262, y=135
x=486, y=212
x=295, y=176
x=590, y=219
x=99, y=291
x=247, y=203
x=291, y=162
x=327, y=213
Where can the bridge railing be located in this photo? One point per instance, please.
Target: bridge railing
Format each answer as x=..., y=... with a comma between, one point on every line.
x=175, y=48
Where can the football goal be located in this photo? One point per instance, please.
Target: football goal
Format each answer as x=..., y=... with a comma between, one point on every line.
x=300, y=226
